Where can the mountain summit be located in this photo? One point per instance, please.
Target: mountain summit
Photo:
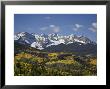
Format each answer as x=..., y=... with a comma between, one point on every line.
x=55, y=41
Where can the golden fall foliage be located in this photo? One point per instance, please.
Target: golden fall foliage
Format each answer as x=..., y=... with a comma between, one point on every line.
x=26, y=64
x=93, y=62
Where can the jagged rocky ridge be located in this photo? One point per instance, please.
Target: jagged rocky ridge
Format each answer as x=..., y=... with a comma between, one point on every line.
x=56, y=43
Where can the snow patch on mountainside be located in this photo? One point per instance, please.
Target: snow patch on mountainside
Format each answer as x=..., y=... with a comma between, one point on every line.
x=42, y=41
x=79, y=41
x=37, y=45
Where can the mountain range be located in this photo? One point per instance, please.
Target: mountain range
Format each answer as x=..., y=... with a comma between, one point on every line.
x=57, y=43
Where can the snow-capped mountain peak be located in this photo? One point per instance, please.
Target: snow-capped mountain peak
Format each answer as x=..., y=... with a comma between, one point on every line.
x=42, y=41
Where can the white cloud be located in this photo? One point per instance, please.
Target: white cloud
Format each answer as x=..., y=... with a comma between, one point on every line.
x=77, y=27
x=48, y=17
x=93, y=27
x=94, y=24
x=56, y=29
x=51, y=26
x=43, y=28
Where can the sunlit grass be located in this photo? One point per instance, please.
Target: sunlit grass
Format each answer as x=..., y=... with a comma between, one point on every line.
x=62, y=61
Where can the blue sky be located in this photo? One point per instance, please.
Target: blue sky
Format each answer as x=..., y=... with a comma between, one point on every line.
x=64, y=24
